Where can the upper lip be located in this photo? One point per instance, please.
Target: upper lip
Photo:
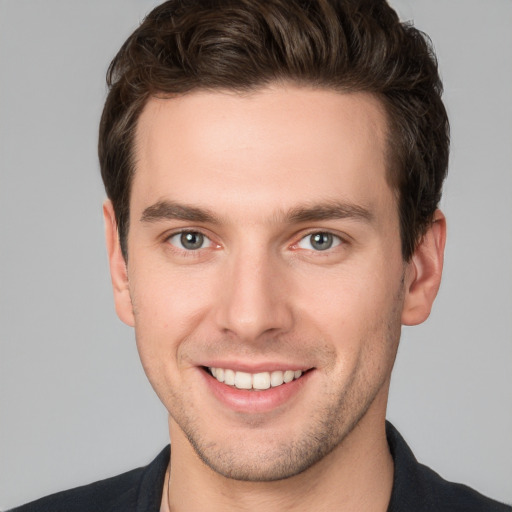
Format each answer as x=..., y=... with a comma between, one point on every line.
x=270, y=366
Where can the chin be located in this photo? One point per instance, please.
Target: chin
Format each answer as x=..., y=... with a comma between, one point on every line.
x=268, y=457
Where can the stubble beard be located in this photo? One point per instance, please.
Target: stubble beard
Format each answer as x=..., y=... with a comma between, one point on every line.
x=287, y=459
x=344, y=407
x=333, y=422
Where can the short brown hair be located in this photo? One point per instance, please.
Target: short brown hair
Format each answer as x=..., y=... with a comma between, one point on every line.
x=344, y=45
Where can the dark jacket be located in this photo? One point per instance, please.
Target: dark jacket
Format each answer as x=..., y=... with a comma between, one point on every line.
x=416, y=488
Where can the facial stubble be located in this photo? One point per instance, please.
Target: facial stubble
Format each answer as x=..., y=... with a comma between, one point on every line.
x=346, y=404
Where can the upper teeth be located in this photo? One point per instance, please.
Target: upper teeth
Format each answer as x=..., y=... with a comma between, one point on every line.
x=263, y=380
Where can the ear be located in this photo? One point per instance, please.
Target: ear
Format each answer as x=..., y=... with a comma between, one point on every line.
x=118, y=269
x=423, y=273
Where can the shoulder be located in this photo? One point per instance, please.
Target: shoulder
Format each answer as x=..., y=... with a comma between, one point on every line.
x=123, y=492
x=455, y=497
x=100, y=495
x=416, y=487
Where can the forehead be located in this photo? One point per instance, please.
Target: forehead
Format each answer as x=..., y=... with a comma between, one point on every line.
x=280, y=144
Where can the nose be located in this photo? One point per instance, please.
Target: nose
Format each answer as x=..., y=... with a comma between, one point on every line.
x=254, y=301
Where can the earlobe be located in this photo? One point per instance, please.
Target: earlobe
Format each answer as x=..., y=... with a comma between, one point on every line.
x=423, y=274
x=117, y=263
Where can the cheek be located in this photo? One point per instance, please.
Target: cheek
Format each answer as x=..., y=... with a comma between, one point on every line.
x=347, y=295
x=168, y=307
x=356, y=308
x=169, y=299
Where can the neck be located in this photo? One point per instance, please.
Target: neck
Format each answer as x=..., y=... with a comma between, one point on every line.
x=357, y=475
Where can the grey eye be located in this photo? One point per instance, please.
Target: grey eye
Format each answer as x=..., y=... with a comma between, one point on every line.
x=189, y=240
x=320, y=241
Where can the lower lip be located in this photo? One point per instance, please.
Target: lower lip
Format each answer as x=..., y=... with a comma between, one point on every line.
x=242, y=400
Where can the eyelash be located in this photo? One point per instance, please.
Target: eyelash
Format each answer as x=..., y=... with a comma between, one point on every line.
x=337, y=240
x=189, y=252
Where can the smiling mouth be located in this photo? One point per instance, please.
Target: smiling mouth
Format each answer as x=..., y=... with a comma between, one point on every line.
x=254, y=381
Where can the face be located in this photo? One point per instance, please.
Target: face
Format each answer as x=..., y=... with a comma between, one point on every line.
x=264, y=280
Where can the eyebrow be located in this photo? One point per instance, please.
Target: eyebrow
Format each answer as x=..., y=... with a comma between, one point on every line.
x=329, y=210
x=170, y=210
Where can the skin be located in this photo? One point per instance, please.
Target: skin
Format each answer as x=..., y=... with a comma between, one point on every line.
x=265, y=170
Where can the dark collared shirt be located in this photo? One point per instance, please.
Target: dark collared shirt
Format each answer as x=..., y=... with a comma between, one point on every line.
x=416, y=488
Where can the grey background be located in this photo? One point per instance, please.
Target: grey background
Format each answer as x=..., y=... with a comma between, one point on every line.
x=74, y=402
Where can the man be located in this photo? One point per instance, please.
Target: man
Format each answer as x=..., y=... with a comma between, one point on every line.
x=273, y=172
